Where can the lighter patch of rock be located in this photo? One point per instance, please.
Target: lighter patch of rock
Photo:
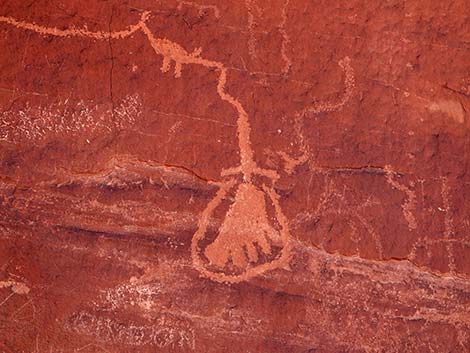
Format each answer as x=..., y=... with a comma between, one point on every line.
x=452, y=108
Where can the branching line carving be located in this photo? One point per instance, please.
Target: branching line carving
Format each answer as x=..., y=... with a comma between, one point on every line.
x=246, y=234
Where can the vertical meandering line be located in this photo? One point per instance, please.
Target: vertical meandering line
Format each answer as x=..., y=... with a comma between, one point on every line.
x=174, y=53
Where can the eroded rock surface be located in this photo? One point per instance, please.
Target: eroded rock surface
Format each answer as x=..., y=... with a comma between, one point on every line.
x=221, y=176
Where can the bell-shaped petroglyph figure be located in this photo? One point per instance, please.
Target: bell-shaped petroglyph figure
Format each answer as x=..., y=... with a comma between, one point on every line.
x=250, y=240
x=244, y=229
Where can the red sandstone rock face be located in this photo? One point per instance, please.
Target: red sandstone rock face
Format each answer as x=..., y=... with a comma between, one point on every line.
x=213, y=176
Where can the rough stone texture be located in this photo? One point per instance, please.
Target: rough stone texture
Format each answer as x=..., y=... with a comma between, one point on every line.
x=344, y=229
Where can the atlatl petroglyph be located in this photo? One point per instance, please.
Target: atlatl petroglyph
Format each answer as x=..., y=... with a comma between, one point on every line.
x=246, y=234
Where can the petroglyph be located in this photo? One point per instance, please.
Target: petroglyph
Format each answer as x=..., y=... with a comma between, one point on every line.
x=448, y=223
x=252, y=7
x=317, y=107
x=15, y=286
x=76, y=32
x=333, y=203
x=410, y=203
x=40, y=122
x=349, y=84
x=171, y=52
x=245, y=226
x=245, y=236
x=285, y=40
x=201, y=8
x=244, y=229
x=132, y=294
x=166, y=332
x=291, y=163
x=152, y=327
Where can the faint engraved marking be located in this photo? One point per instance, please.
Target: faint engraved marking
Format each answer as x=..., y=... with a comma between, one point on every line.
x=171, y=134
x=196, y=118
x=201, y=8
x=285, y=40
x=251, y=6
x=349, y=84
x=327, y=205
x=37, y=123
x=90, y=345
x=317, y=108
x=410, y=203
x=448, y=223
x=370, y=229
x=290, y=163
x=143, y=295
x=165, y=333
x=16, y=287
